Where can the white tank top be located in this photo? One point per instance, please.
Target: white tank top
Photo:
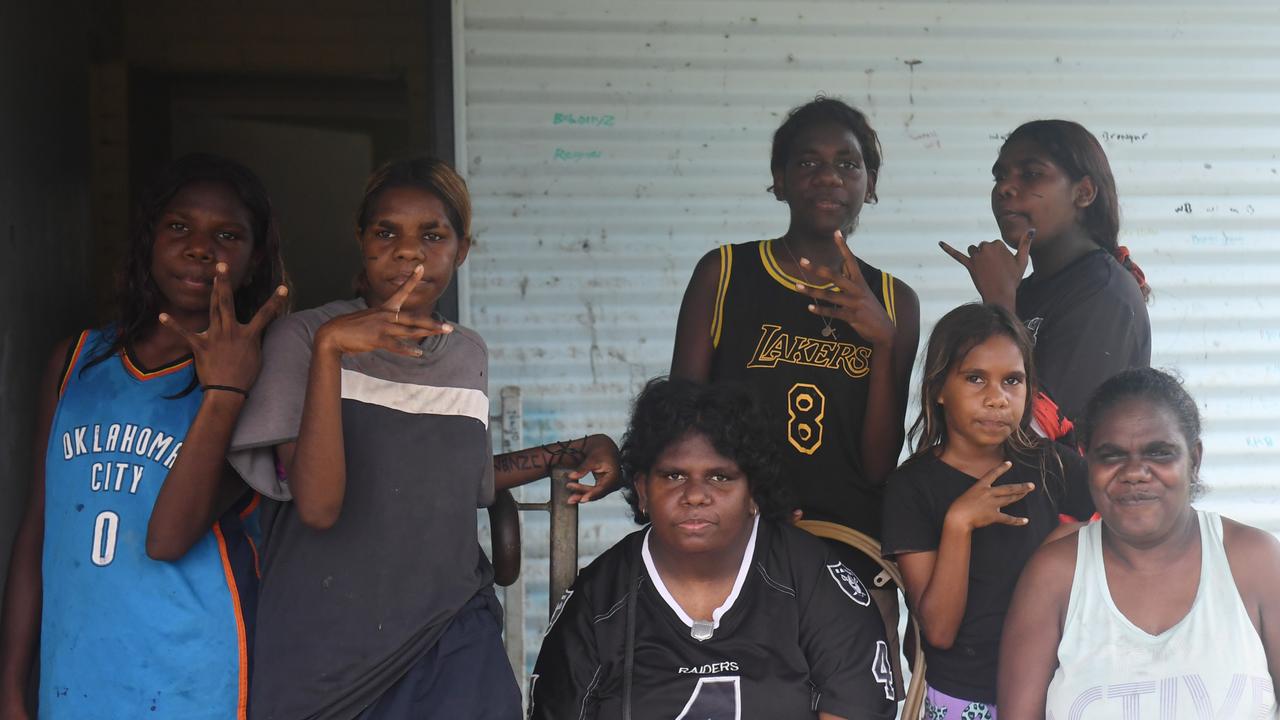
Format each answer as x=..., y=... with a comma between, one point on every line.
x=1210, y=665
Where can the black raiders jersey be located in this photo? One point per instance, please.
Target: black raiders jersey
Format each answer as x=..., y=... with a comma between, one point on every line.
x=810, y=375
x=798, y=634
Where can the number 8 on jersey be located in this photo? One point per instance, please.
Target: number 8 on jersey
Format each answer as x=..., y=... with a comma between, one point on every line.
x=806, y=406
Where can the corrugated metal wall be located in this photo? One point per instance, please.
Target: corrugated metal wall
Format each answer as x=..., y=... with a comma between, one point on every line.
x=609, y=145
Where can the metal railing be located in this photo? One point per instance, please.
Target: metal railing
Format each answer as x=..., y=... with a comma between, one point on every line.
x=505, y=530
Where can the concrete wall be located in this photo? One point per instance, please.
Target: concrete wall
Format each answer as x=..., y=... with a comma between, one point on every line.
x=44, y=219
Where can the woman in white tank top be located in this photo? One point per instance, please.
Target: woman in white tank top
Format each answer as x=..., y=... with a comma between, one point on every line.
x=1159, y=610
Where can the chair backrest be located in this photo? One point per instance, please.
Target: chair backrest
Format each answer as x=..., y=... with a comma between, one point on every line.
x=504, y=536
x=914, y=701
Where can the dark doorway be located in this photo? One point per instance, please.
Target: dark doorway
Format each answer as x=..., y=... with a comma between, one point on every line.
x=311, y=100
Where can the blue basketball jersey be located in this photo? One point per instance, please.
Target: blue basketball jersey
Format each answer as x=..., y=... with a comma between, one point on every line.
x=125, y=636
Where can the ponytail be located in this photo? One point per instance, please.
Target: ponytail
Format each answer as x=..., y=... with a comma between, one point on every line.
x=1122, y=256
x=1079, y=153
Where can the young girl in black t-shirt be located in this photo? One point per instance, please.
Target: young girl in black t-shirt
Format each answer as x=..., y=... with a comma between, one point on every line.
x=1055, y=201
x=966, y=511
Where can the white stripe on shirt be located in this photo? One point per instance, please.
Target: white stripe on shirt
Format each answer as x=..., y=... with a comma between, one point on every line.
x=415, y=399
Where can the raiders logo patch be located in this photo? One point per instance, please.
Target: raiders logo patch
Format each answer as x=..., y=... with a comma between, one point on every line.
x=849, y=584
x=1033, y=327
x=555, y=614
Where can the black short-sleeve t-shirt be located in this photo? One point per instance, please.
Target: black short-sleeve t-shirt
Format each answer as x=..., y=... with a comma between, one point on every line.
x=1089, y=322
x=919, y=495
x=799, y=635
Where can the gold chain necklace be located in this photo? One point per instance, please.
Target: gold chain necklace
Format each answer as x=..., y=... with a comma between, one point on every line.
x=827, y=330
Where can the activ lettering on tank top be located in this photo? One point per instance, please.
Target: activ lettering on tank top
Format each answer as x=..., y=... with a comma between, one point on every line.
x=1210, y=665
x=1174, y=697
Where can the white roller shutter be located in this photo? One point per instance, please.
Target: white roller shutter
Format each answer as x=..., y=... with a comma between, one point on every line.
x=609, y=145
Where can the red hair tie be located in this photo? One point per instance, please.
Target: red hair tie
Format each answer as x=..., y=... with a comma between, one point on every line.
x=1122, y=254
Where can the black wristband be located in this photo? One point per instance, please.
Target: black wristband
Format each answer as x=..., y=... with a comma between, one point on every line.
x=226, y=388
x=564, y=449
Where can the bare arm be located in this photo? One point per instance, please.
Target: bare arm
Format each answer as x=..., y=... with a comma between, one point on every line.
x=883, y=419
x=595, y=455
x=1032, y=630
x=1254, y=557
x=201, y=485
x=938, y=586
x=316, y=464
x=23, y=592
x=893, y=352
x=691, y=359
x=938, y=581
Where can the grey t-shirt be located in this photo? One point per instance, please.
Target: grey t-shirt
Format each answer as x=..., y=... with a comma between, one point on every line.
x=344, y=612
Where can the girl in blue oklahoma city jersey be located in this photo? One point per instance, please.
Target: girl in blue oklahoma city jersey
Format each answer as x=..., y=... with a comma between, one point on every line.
x=133, y=565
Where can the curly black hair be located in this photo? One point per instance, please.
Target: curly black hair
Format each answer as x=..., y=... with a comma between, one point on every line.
x=1157, y=387
x=727, y=414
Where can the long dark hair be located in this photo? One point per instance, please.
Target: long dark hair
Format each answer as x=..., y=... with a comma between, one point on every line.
x=958, y=332
x=140, y=296
x=1079, y=154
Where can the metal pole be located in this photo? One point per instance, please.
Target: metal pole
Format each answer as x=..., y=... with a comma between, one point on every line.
x=564, y=538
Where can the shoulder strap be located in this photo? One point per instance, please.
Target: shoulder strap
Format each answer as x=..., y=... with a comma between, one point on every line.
x=888, y=295
x=722, y=288
x=73, y=354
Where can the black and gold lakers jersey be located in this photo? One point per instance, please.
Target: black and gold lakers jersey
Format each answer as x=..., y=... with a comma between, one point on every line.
x=810, y=377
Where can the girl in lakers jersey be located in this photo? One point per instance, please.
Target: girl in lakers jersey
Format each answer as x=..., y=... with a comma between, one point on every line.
x=133, y=568
x=826, y=339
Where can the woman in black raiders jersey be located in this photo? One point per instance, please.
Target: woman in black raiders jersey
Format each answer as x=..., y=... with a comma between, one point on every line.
x=979, y=495
x=718, y=609
x=1055, y=202
x=826, y=340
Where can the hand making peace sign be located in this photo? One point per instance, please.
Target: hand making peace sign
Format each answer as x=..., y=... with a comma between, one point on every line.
x=382, y=328
x=228, y=353
x=855, y=303
x=980, y=505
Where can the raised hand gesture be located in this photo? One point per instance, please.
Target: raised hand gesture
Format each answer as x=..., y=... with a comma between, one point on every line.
x=384, y=327
x=981, y=504
x=600, y=460
x=228, y=353
x=996, y=272
x=855, y=303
